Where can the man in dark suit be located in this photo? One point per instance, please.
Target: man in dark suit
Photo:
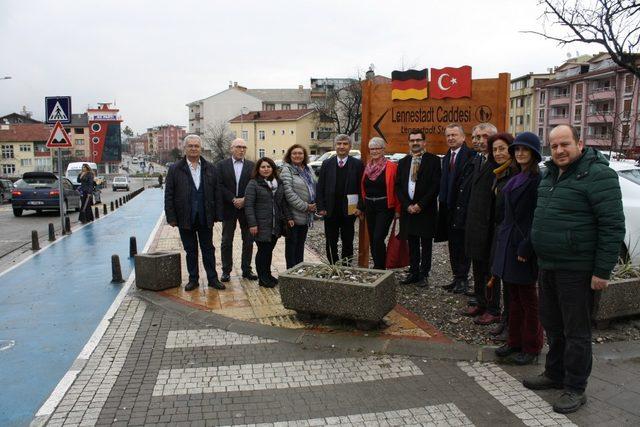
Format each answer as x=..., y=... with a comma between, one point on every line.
x=417, y=186
x=192, y=203
x=340, y=177
x=234, y=174
x=453, y=199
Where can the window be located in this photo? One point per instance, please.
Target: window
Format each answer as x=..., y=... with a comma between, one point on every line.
x=579, y=92
x=245, y=135
x=286, y=106
x=269, y=107
x=577, y=115
x=43, y=164
x=625, y=133
x=274, y=151
x=528, y=119
x=79, y=131
x=7, y=151
x=261, y=153
x=8, y=169
x=627, y=108
x=543, y=96
x=79, y=153
x=541, y=115
x=579, y=130
x=313, y=134
x=628, y=83
x=282, y=131
x=25, y=162
x=519, y=120
x=520, y=102
x=261, y=136
x=302, y=106
x=79, y=141
x=291, y=131
x=273, y=132
x=540, y=132
x=25, y=147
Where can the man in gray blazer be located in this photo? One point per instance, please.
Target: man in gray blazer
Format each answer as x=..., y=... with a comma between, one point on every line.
x=234, y=174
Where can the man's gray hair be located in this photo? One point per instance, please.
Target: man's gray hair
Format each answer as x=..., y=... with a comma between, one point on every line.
x=192, y=137
x=342, y=137
x=489, y=127
x=377, y=142
x=456, y=126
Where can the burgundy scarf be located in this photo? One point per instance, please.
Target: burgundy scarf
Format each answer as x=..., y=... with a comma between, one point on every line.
x=375, y=167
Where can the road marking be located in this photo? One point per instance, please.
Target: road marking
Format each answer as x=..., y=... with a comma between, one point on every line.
x=522, y=402
x=277, y=375
x=210, y=338
x=6, y=344
x=63, y=386
x=446, y=414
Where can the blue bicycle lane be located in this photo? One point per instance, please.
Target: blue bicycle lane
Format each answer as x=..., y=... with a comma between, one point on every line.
x=52, y=303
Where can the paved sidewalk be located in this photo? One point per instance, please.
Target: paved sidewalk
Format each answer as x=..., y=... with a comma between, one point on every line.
x=167, y=361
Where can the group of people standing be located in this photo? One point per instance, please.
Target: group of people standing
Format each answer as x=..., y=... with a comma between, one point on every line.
x=539, y=244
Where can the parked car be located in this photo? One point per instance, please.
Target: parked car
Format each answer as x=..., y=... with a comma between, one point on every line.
x=38, y=191
x=315, y=165
x=120, y=183
x=395, y=157
x=6, y=187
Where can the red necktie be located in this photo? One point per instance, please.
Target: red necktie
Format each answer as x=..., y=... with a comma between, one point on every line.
x=452, y=163
x=341, y=163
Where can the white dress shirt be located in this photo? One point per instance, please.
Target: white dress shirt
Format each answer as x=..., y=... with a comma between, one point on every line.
x=195, y=173
x=237, y=168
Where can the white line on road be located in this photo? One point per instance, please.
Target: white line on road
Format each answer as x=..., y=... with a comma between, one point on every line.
x=210, y=338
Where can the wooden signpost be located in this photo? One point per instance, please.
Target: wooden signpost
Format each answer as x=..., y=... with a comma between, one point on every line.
x=393, y=119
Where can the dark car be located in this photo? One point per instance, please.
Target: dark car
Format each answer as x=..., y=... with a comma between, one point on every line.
x=38, y=191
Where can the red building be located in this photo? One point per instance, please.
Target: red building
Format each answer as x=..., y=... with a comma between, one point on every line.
x=165, y=138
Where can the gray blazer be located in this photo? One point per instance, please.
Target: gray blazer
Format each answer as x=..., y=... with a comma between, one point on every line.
x=296, y=192
x=265, y=209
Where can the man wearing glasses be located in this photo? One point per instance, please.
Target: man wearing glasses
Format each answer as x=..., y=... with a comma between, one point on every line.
x=234, y=174
x=417, y=187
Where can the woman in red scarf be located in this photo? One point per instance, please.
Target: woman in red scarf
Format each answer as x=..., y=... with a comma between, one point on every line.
x=380, y=202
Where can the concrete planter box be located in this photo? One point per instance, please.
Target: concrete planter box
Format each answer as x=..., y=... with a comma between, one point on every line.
x=366, y=303
x=158, y=271
x=621, y=298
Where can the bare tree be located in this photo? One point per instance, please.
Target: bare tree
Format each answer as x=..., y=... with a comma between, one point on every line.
x=216, y=141
x=612, y=24
x=341, y=106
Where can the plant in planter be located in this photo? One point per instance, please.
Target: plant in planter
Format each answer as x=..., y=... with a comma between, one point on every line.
x=360, y=294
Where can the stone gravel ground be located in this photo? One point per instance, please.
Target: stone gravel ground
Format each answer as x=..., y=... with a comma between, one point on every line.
x=441, y=308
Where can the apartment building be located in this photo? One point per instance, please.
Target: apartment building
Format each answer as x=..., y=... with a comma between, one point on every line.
x=598, y=97
x=22, y=149
x=522, y=97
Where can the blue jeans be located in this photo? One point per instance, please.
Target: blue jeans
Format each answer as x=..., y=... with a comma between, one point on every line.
x=294, y=245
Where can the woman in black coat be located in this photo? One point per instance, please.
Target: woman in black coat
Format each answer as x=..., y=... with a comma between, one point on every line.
x=268, y=216
x=87, y=185
x=514, y=260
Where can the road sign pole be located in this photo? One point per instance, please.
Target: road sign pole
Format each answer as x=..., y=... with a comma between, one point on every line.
x=60, y=190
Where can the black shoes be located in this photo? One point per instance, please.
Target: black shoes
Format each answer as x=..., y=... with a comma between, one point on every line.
x=505, y=350
x=215, y=283
x=423, y=283
x=522, y=359
x=411, y=279
x=193, y=284
x=273, y=280
x=541, y=382
x=225, y=277
x=266, y=284
x=570, y=401
x=462, y=286
x=451, y=285
x=249, y=276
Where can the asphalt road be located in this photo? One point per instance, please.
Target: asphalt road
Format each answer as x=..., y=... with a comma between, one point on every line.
x=15, y=233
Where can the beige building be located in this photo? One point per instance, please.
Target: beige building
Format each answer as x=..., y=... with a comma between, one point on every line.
x=22, y=149
x=522, y=99
x=78, y=131
x=271, y=133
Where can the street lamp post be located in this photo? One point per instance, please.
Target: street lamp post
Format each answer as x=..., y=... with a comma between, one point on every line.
x=5, y=78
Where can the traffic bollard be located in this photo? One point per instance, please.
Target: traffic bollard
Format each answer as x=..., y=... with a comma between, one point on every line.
x=96, y=213
x=116, y=271
x=133, y=247
x=116, y=203
x=35, y=243
x=104, y=209
x=112, y=206
x=52, y=233
x=67, y=224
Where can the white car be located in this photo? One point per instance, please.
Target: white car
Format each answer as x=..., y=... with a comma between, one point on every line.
x=315, y=165
x=120, y=183
x=629, y=177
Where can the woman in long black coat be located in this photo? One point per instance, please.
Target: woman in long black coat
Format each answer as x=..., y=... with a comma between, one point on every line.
x=268, y=216
x=514, y=260
x=87, y=186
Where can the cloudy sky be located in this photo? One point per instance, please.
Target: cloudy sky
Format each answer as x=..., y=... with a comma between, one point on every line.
x=153, y=57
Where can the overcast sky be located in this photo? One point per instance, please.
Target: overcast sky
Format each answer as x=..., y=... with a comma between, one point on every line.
x=153, y=57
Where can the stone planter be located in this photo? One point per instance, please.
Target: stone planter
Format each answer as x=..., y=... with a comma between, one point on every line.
x=158, y=271
x=366, y=303
x=621, y=298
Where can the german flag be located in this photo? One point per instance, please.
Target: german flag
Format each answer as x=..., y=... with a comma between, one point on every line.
x=410, y=84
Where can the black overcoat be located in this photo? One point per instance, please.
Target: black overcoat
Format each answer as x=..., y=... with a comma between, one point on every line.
x=422, y=224
x=480, y=211
x=326, y=186
x=227, y=186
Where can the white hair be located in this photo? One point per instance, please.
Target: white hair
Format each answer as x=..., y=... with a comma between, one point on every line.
x=377, y=142
x=192, y=137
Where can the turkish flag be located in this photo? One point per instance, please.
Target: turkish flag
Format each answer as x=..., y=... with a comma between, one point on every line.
x=450, y=82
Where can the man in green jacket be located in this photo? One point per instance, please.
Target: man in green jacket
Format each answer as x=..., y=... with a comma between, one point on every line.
x=578, y=228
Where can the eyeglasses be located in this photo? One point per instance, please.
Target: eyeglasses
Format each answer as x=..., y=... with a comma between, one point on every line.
x=376, y=148
x=416, y=139
x=243, y=147
x=480, y=137
x=193, y=146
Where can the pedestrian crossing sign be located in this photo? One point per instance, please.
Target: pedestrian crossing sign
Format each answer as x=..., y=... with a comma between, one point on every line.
x=57, y=109
x=59, y=138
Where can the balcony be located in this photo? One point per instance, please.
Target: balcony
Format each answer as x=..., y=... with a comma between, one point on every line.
x=606, y=92
x=600, y=116
x=560, y=99
x=602, y=140
x=558, y=119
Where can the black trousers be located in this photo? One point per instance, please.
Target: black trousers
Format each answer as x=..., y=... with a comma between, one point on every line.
x=460, y=264
x=86, y=214
x=226, y=245
x=264, y=255
x=294, y=245
x=204, y=236
x=339, y=227
x=420, y=253
x=379, y=218
x=488, y=298
x=566, y=300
